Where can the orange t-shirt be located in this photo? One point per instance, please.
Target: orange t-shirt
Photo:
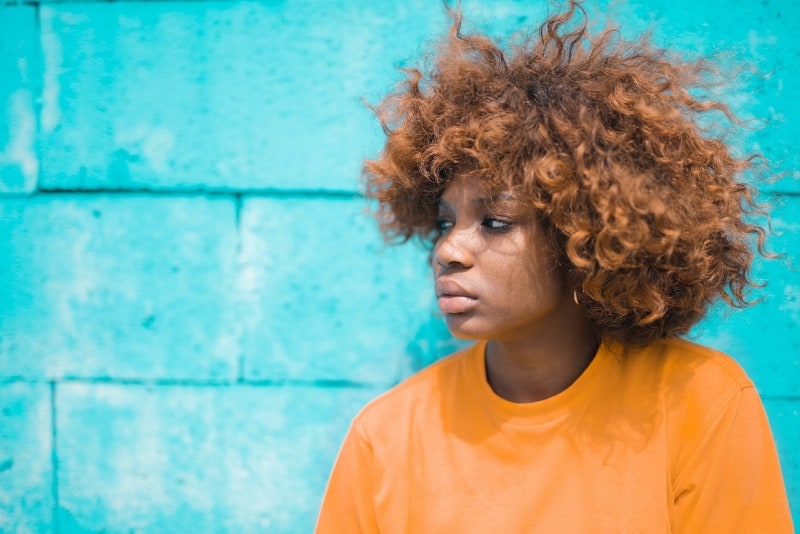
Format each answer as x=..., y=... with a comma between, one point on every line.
x=669, y=438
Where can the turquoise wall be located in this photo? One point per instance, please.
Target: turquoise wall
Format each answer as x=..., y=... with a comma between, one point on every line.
x=192, y=302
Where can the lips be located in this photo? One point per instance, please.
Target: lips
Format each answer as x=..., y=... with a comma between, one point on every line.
x=453, y=298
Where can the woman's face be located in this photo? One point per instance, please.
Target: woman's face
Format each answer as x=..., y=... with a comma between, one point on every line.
x=495, y=275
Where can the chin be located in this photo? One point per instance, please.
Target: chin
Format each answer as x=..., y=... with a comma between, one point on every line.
x=464, y=328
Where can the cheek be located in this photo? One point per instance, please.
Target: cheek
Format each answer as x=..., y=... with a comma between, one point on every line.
x=535, y=282
x=545, y=259
x=541, y=277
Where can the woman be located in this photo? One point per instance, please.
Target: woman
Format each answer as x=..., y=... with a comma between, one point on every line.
x=581, y=220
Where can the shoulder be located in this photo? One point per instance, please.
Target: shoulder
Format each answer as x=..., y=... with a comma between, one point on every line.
x=682, y=365
x=414, y=397
x=694, y=385
x=698, y=386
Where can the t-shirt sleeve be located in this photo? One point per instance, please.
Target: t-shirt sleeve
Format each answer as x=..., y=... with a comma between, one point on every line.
x=348, y=505
x=731, y=481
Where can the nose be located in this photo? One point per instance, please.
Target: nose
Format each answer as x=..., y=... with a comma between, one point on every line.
x=453, y=249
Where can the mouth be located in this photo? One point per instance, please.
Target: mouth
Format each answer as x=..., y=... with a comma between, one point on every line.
x=453, y=298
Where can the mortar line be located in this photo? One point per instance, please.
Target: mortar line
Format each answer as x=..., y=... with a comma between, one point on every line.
x=39, y=88
x=782, y=398
x=238, y=203
x=54, y=457
x=189, y=192
x=220, y=383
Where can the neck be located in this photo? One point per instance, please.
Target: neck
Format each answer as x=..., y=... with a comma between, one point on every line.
x=539, y=364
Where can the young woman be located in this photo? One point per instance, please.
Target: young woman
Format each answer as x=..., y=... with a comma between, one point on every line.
x=581, y=221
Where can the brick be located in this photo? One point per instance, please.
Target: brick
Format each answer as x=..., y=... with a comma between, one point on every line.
x=327, y=300
x=20, y=73
x=238, y=95
x=764, y=337
x=26, y=469
x=123, y=287
x=189, y=459
x=784, y=417
x=221, y=95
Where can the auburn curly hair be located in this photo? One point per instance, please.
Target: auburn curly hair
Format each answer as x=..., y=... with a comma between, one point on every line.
x=604, y=140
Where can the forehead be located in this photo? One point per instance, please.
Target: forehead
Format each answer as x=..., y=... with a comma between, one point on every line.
x=479, y=193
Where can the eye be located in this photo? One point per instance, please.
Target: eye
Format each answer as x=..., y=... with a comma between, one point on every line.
x=497, y=226
x=443, y=224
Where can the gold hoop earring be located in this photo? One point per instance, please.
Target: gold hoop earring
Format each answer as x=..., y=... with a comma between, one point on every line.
x=575, y=297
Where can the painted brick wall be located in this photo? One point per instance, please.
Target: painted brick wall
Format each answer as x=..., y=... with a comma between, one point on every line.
x=193, y=303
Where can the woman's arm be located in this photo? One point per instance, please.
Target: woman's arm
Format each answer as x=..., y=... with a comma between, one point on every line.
x=348, y=502
x=731, y=480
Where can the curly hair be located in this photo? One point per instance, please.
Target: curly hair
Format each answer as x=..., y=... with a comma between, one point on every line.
x=604, y=139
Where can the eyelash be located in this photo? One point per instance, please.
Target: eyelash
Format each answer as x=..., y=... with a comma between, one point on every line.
x=489, y=223
x=503, y=226
x=443, y=224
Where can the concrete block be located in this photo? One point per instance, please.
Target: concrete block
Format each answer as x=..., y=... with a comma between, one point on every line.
x=20, y=73
x=26, y=468
x=222, y=95
x=327, y=300
x=765, y=337
x=759, y=37
x=784, y=418
x=197, y=459
x=118, y=286
x=252, y=95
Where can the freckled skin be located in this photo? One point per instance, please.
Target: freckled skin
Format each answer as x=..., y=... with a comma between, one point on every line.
x=539, y=340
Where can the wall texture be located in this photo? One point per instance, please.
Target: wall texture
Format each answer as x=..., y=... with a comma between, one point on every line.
x=193, y=303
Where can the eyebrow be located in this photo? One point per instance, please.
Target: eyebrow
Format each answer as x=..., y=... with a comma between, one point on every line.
x=504, y=196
